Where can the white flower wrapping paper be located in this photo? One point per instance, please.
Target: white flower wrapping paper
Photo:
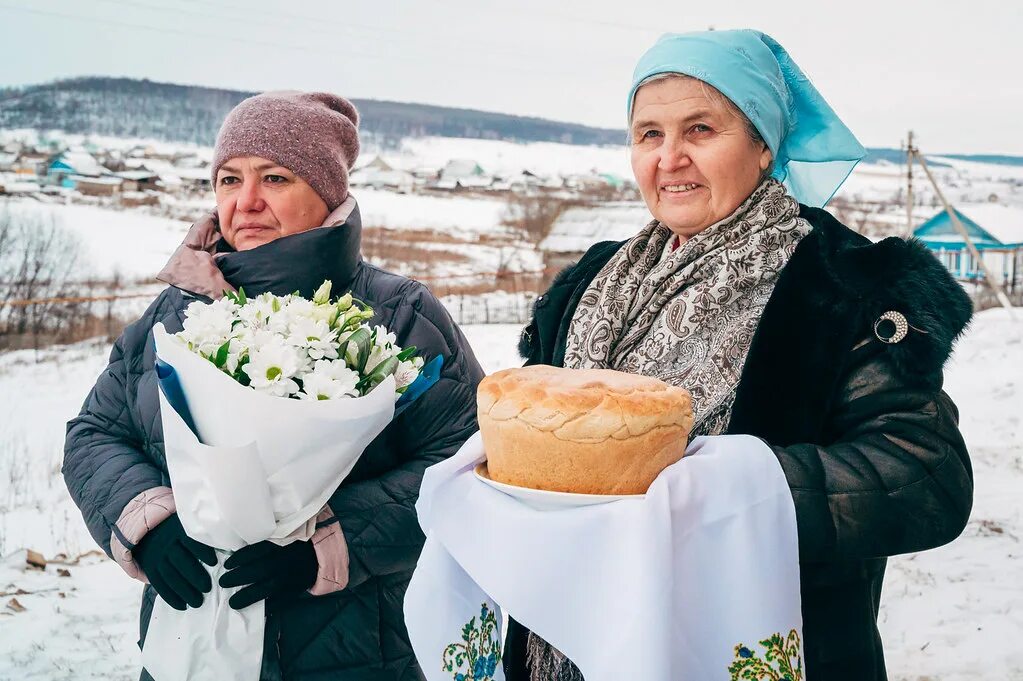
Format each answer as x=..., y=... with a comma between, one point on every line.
x=261, y=468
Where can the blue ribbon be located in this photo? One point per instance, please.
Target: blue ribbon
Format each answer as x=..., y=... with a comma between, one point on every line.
x=427, y=377
x=170, y=385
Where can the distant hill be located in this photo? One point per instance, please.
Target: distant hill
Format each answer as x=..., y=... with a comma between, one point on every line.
x=126, y=107
x=999, y=159
x=875, y=154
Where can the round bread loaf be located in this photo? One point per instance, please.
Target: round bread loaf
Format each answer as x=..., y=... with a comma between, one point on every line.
x=589, y=431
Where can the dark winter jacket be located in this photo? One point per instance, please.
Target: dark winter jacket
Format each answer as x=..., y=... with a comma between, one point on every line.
x=114, y=452
x=867, y=439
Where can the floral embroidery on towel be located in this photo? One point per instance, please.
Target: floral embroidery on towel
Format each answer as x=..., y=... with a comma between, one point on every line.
x=477, y=656
x=782, y=660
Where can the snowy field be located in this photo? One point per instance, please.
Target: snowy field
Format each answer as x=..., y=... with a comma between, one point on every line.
x=952, y=614
x=135, y=245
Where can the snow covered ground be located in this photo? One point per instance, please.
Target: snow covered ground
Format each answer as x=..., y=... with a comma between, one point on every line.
x=951, y=614
x=136, y=245
x=112, y=242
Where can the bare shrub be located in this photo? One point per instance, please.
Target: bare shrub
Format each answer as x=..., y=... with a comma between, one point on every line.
x=861, y=215
x=43, y=298
x=534, y=215
x=402, y=251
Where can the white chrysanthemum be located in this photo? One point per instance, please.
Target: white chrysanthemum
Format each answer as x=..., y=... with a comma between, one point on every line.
x=254, y=336
x=272, y=368
x=314, y=336
x=300, y=308
x=328, y=381
x=208, y=325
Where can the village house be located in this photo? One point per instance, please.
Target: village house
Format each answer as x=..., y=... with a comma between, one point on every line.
x=138, y=180
x=997, y=233
x=73, y=164
x=94, y=186
x=379, y=174
x=463, y=174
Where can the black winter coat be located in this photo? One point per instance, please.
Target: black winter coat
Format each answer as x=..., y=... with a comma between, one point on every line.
x=867, y=439
x=114, y=451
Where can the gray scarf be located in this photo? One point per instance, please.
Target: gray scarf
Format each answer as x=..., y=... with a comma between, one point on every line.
x=686, y=317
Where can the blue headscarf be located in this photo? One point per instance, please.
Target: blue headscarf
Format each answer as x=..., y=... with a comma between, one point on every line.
x=813, y=150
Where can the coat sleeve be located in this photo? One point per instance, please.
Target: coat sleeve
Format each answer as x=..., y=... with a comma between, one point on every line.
x=895, y=477
x=378, y=516
x=119, y=490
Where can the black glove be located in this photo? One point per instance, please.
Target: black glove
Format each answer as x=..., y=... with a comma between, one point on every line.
x=170, y=559
x=269, y=570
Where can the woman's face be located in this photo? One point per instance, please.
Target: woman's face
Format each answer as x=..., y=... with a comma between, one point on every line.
x=259, y=201
x=692, y=156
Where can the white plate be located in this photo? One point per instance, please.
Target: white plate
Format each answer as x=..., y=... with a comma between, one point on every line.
x=546, y=500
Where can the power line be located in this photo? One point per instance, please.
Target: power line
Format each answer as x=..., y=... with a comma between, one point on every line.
x=149, y=27
x=244, y=41
x=572, y=18
x=379, y=56
x=318, y=21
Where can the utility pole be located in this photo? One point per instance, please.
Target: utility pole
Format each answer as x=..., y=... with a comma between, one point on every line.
x=910, y=151
x=914, y=155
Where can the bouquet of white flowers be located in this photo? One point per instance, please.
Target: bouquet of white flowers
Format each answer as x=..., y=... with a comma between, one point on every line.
x=289, y=346
x=247, y=466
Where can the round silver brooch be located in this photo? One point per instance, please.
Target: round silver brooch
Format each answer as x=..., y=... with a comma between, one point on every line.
x=891, y=327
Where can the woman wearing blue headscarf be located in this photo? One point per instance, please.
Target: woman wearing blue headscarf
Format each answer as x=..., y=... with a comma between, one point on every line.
x=781, y=322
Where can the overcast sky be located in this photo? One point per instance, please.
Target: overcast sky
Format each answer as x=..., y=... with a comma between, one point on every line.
x=948, y=70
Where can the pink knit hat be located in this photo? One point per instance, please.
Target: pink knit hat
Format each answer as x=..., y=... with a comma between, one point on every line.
x=313, y=134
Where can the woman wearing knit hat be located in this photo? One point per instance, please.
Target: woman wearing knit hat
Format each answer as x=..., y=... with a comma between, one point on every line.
x=284, y=222
x=783, y=324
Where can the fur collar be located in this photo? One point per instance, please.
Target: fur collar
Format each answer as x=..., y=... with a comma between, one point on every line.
x=894, y=275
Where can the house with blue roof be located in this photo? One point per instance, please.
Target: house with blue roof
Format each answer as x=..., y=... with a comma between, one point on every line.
x=66, y=167
x=995, y=230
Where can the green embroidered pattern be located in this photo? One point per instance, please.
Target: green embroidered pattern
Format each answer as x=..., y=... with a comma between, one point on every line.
x=477, y=656
x=782, y=660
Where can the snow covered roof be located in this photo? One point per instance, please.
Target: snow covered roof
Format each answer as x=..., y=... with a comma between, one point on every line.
x=112, y=181
x=136, y=174
x=377, y=163
x=189, y=173
x=1003, y=223
x=82, y=163
x=462, y=167
x=156, y=165
x=9, y=186
x=578, y=228
x=372, y=175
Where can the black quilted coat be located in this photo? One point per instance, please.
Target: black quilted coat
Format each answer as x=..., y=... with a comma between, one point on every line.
x=868, y=440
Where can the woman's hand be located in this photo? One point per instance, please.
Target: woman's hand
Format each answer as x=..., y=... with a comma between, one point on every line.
x=269, y=570
x=171, y=561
